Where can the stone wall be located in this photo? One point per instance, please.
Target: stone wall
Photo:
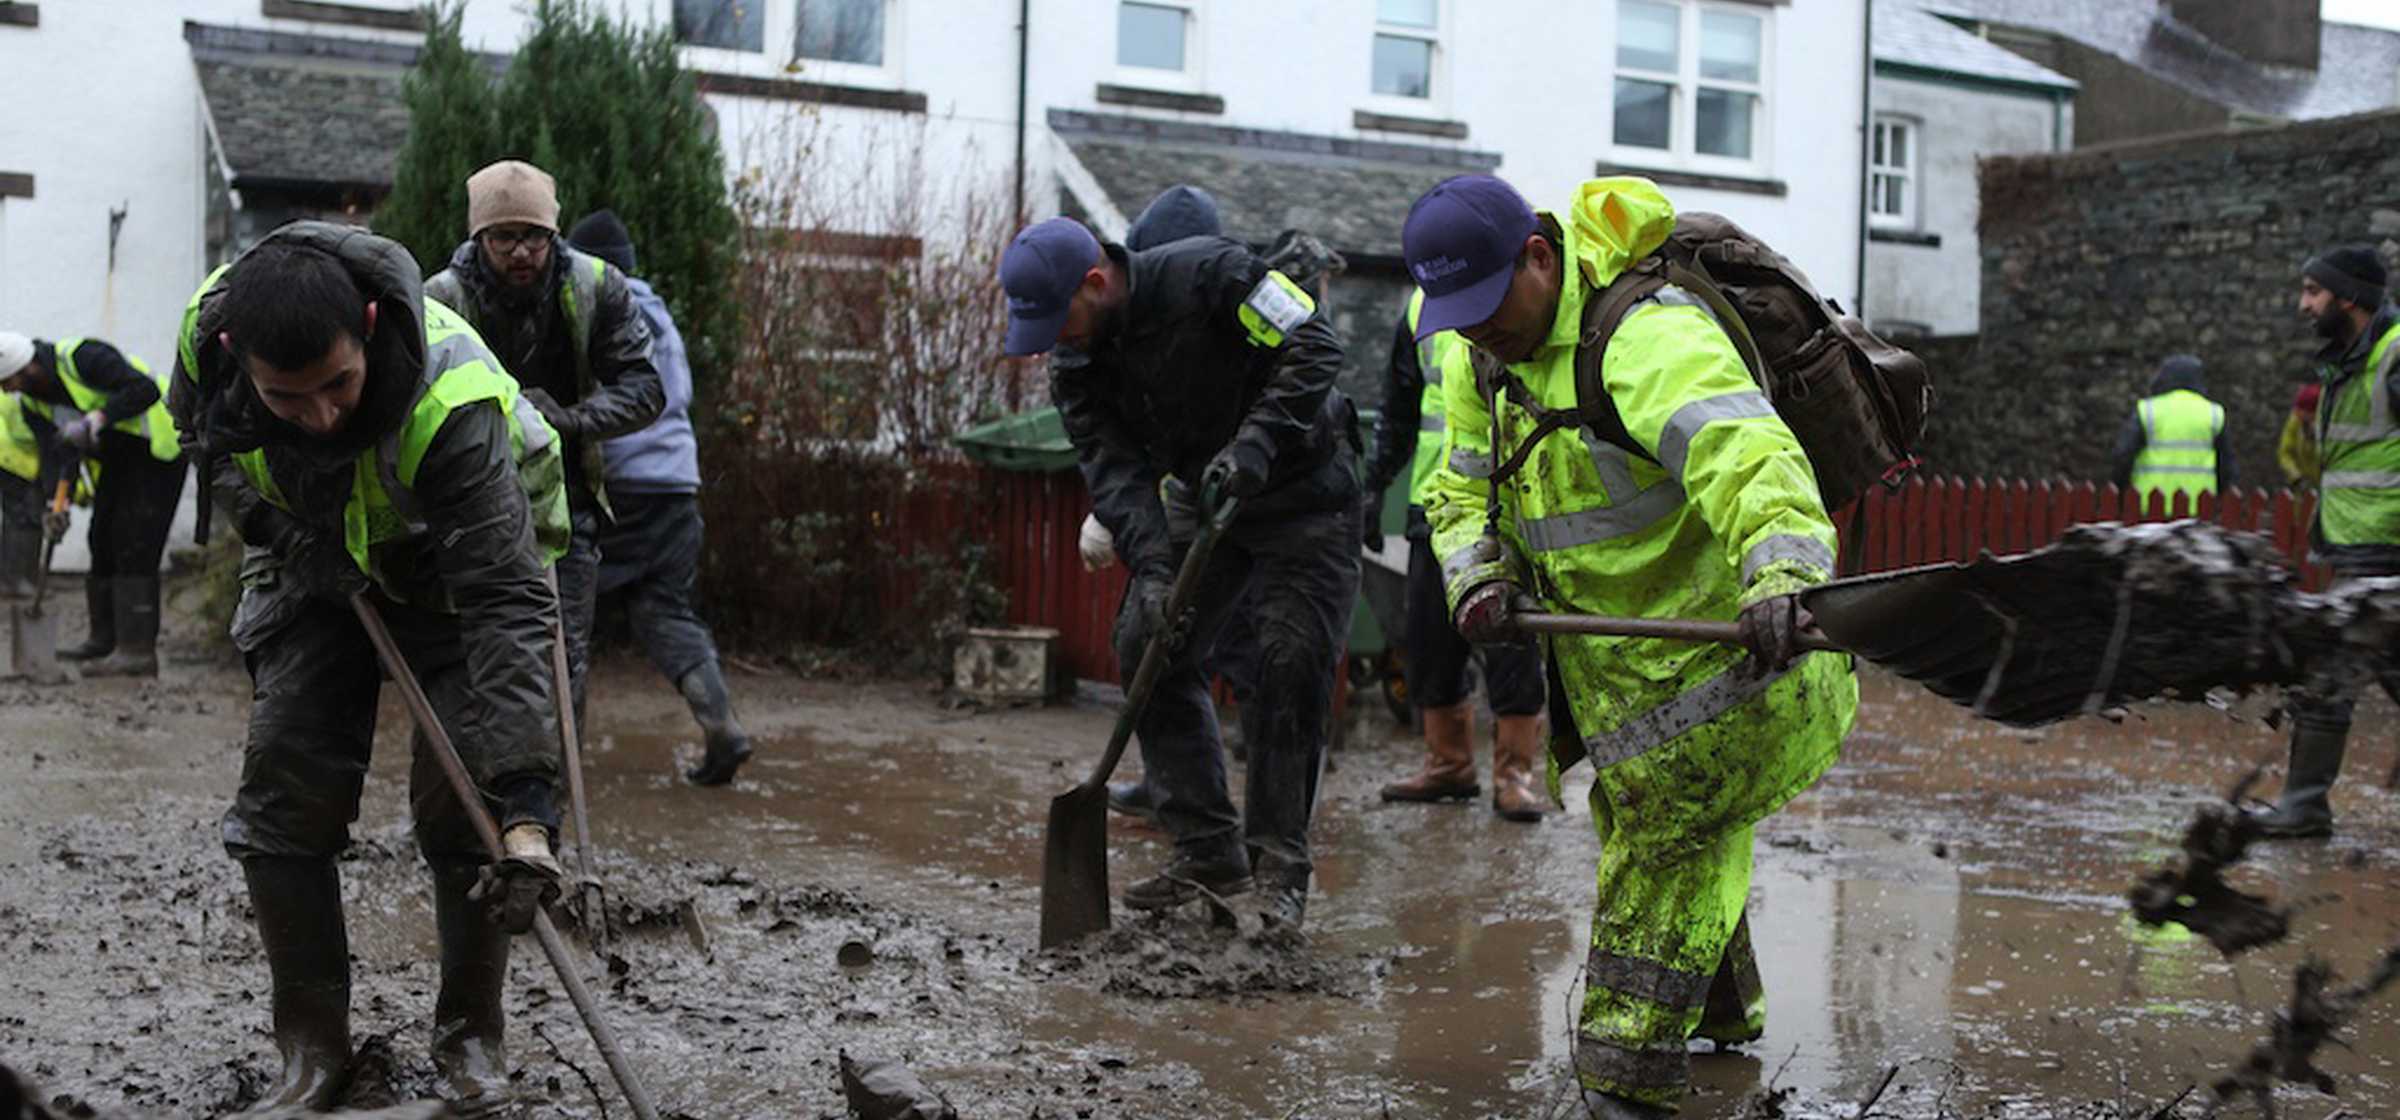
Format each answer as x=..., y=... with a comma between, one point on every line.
x=2098, y=263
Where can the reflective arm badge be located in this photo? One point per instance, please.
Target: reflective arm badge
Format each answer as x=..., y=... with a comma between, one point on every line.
x=1274, y=308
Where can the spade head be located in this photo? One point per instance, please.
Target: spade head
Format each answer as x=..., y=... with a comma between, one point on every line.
x=1075, y=866
x=33, y=645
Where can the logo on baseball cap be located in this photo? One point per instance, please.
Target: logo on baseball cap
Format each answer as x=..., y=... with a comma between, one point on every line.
x=1040, y=272
x=1461, y=242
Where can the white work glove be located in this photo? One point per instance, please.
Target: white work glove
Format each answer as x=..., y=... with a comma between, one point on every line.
x=83, y=432
x=1096, y=543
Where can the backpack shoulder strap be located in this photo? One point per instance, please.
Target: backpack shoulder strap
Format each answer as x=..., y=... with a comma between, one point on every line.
x=1603, y=312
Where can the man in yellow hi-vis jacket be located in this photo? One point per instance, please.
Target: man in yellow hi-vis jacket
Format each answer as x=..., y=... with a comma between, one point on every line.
x=1707, y=508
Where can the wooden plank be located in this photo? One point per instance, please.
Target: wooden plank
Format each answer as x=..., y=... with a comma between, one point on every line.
x=1971, y=499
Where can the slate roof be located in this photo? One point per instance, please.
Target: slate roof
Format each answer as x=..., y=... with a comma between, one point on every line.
x=294, y=110
x=1352, y=194
x=2355, y=72
x=1910, y=37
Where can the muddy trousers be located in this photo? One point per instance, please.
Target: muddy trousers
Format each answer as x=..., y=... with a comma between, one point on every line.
x=314, y=685
x=2320, y=735
x=1671, y=960
x=133, y=510
x=651, y=556
x=1304, y=567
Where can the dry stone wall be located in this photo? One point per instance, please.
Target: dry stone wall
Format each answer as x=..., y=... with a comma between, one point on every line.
x=2100, y=262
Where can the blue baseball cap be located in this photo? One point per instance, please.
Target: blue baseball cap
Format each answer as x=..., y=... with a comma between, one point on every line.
x=1461, y=242
x=1040, y=272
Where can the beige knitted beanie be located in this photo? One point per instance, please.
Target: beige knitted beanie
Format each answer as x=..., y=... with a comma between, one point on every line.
x=511, y=191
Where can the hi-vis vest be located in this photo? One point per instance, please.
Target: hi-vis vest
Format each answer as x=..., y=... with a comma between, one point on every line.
x=2179, y=449
x=2359, y=449
x=20, y=452
x=383, y=508
x=1431, y=353
x=153, y=425
x=579, y=302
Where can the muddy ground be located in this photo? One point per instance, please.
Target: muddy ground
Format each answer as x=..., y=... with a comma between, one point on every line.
x=1948, y=902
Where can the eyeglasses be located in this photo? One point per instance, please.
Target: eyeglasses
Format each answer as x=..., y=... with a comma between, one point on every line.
x=527, y=242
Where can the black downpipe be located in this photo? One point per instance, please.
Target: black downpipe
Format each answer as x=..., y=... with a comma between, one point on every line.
x=1024, y=59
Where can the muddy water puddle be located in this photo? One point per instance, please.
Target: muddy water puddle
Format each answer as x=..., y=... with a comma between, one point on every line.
x=1948, y=901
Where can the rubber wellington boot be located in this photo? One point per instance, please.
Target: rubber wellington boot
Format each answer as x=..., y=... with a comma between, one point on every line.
x=2303, y=809
x=100, y=598
x=712, y=706
x=136, y=655
x=20, y=561
x=468, y=1023
x=1516, y=743
x=1449, y=771
x=298, y=901
x=1134, y=799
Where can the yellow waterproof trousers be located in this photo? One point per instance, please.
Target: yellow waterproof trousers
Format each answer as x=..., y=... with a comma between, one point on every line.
x=1671, y=960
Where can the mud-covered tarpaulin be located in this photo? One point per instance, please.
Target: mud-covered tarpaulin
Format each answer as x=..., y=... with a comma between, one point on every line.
x=2110, y=615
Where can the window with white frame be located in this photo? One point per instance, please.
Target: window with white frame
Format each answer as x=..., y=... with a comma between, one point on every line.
x=1892, y=174
x=1691, y=80
x=736, y=25
x=844, y=31
x=1155, y=35
x=1407, y=39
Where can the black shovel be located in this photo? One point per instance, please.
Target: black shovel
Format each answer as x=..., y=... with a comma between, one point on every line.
x=1075, y=850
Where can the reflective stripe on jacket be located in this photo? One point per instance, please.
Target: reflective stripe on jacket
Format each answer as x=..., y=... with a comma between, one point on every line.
x=1722, y=511
x=1431, y=439
x=2179, y=444
x=2359, y=453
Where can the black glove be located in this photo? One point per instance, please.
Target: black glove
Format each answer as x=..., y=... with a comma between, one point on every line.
x=54, y=525
x=1238, y=471
x=1771, y=630
x=559, y=415
x=1487, y=616
x=1370, y=525
x=322, y=565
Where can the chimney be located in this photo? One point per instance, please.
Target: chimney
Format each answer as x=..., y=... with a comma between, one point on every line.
x=2269, y=32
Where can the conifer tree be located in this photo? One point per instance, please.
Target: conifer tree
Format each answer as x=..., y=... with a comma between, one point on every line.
x=606, y=108
x=451, y=132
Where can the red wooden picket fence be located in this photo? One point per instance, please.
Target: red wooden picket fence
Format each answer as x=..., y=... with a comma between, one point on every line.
x=1932, y=520
x=1033, y=519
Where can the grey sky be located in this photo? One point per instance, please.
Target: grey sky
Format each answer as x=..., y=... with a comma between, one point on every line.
x=2374, y=13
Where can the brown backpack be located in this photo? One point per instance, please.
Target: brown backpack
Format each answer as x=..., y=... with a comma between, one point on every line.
x=1856, y=403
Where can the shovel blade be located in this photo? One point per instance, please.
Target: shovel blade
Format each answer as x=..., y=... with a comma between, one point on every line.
x=33, y=645
x=1075, y=866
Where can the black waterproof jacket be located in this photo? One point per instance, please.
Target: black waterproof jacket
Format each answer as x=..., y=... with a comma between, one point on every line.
x=1176, y=376
x=476, y=557
x=2179, y=372
x=529, y=331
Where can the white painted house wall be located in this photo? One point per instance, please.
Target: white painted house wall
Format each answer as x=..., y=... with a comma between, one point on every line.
x=105, y=111
x=1941, y=286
